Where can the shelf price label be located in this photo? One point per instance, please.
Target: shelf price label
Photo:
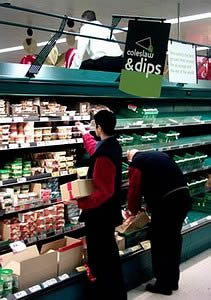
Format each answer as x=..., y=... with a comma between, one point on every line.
x=49, y=282
x=25, y=145
x=20, y=294
x=44, y=119
x=6, y=120
x=40, y=144
x=72, y=141
x=21, y=180
x=32, y=240
x=65, y=118
x=64, y=277
x=35, y=288
x=80, y=140
x=50, y=143
x=86, y=118
x=18, y=119
x=18, y=246
x=13, y=146
x=64, y=173
x=42, y=236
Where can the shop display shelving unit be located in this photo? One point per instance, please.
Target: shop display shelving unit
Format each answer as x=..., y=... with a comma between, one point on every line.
x=73, y=86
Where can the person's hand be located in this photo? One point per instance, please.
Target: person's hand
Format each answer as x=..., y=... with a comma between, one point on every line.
x=81, y=127
x=142, y=209
x=127, y=215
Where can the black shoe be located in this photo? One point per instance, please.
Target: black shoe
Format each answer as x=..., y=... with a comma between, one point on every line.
x=157, y=289
x=175, y=287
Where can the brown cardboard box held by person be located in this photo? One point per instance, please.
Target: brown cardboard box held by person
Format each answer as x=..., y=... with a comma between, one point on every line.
x=76, y=189
x=134, y=223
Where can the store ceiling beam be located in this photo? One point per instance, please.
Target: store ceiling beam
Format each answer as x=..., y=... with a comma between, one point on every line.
x=55, y=16
x=7, y=23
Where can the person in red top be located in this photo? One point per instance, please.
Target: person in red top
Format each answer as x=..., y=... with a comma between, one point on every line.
x=28, y=60
x=70, y=54
x=101, y=211
x=157, y=177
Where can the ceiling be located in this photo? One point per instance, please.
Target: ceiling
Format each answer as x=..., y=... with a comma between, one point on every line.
x=197, y=31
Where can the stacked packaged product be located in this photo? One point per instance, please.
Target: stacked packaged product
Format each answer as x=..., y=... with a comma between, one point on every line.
x=25, y=194
x=34, y=223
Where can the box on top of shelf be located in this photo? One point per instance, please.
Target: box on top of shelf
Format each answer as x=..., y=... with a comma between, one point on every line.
x=30, y=267
x=69, y=253
x=52, y=108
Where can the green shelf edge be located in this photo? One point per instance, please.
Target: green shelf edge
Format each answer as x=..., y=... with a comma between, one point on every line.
x=66, y=82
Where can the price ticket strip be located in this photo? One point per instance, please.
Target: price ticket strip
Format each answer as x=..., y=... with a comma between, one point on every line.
x=36, y=289
x=42, y=144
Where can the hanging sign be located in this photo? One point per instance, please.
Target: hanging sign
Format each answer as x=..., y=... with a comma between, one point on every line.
x=182, y=62
x=144, y=58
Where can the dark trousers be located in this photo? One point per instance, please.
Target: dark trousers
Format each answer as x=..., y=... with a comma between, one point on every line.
x=105, y=63
x=104, y=262
x=166, y=239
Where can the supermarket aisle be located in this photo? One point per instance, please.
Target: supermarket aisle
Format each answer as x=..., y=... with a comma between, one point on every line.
x=195, y=282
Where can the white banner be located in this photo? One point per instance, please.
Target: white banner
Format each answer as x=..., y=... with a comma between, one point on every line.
x=182, y=62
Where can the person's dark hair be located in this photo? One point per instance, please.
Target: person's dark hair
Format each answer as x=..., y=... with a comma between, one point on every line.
x=89, y=15
x=107, y=120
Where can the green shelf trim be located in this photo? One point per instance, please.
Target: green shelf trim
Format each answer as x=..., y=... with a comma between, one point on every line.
x=69, y=82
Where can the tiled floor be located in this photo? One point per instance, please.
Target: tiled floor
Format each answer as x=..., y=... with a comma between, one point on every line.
x=195, y=283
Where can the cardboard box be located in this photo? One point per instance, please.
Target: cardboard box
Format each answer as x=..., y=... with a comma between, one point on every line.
x=69, y=253
x=29, y=267
x=36, y=188
x=120, y=240
x=132, y=224
x=77, y=189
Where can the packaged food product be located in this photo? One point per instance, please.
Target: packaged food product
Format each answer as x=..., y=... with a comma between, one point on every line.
x=16, y=174
x=41, y=229
x=62, y=129
x=62, y=136
x=13, y=127
x=26, y=172
x=20, y=138
x=39, y=213
x=40, y=221
x=4, y=174
x=37, y=138
x=27, y=164
x=38, y=131
x=6, y=275
x=46, y=137
x=1, y=288
x=24, y=227
x=49, y=211
x=23, y=198
x=17, y=189
x=46, y=130
x=27, y=217
x=49, y=227
x=28, y=126
x=16, y=165
x=24, y=188
x=29, y=138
